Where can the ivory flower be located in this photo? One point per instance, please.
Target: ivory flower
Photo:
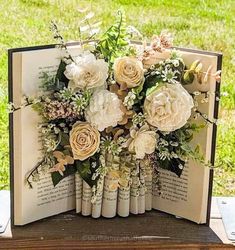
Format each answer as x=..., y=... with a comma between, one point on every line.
x=84, y=140
x=86, y=72
x=142, y=141
x=128, y=72
x=169, y=107
x=104, y=110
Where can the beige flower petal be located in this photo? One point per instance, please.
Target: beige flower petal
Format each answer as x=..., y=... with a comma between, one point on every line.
x=128, y=72
x=69, y=159
x=58, y=154
x=84, y=140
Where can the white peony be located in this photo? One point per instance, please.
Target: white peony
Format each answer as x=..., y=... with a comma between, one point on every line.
x=142, y=141
x=86, y=72
x=168, y=107
x=104, y=110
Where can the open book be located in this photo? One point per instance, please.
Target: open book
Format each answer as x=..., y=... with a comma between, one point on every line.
x=188, y=196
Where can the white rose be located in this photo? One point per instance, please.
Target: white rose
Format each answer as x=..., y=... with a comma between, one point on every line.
x=104, y=110
x=87, y=72
x=128, y=71
x=142, y=141
x=169, y=107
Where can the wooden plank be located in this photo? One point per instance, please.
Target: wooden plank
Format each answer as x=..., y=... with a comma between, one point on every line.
x=153, y=230
x=73, y=244
x=152, y=225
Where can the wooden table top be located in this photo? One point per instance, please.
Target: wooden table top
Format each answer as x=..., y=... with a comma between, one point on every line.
x=153, y=230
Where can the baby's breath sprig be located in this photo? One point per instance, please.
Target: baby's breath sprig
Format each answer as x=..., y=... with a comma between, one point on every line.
x=205, y=99
x=129, y=100
x=81, y=100
x=138, y=119
x=110, y=146
x=42, y=167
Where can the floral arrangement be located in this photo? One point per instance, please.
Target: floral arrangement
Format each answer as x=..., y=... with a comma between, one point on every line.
x=117, y=106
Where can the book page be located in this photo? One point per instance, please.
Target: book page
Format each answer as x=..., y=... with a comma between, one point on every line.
x=43, y=199
x=187, y=196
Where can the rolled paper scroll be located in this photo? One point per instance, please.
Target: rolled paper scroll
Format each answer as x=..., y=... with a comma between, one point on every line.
x=134, y=193
x=86, y=199
x=110, y=192
x=124, y=201
x=97, y=205
x=149, y=187
x=141, y=200
x=78, y=190
x=124, y=187
x=141, y=197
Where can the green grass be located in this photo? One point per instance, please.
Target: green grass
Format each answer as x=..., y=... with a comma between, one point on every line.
x=204, y=24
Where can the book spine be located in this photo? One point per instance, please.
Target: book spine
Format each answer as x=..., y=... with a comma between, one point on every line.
x=86, y=199
x=109, y=205
x=78, y=188
x=97, y=205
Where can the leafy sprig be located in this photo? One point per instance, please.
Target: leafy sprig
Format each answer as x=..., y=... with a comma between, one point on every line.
x=173, y=149
x=114, y=42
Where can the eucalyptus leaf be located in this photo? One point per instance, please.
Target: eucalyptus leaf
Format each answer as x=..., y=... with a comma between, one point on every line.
x=188, y=77
x=86, y=170
x=57, y=177
x=60, y=73
x=174, y=165
x=64, y=139
x=152, y=89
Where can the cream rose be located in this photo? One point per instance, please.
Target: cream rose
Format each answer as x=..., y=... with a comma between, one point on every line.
x=169, y=107
x=142, y=141
x=87, y=72
x=128, y=71
x=84, y=140
x=104, y=110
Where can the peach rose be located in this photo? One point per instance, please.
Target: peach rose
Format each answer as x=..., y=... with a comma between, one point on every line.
x=84, y=140
x=128, y=72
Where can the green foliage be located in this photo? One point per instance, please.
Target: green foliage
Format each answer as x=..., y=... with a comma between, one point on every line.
x=60, y=73
x=173, y=149
x=4, y=167
x=152, y=89
x=57, y=177
x=114, y=42
x=189, y=74
x=168, y=71
x=87, y=169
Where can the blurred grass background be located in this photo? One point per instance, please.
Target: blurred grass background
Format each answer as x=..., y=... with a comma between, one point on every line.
x=202, y=24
